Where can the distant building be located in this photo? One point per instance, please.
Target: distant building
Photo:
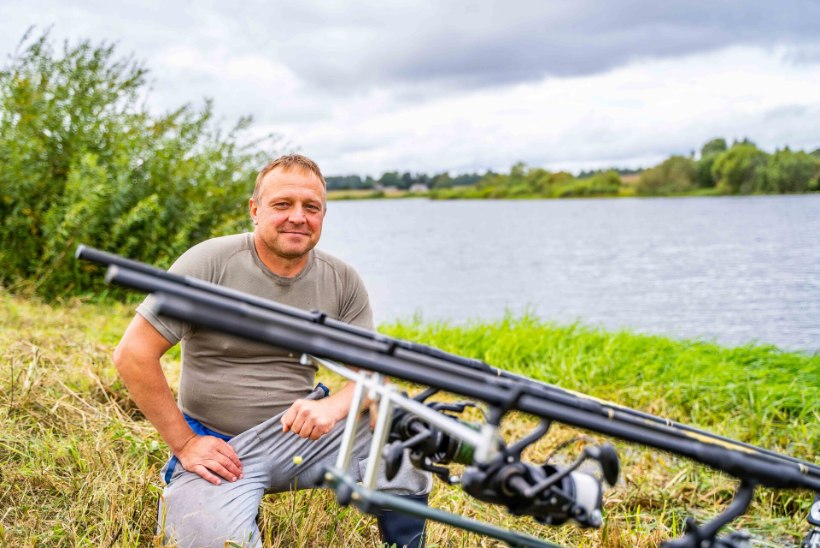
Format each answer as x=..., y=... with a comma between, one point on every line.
x=419, y=187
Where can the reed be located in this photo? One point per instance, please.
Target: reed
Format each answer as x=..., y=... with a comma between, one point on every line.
x=79, y=465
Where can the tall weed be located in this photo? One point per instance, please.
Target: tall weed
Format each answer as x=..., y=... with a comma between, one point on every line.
x=84, y=161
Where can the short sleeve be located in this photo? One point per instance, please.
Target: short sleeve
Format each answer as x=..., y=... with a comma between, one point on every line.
x=173, y=330
x=196, y=263
x=356, y=308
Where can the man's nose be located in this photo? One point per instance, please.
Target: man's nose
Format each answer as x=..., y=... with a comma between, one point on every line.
x=297, y=214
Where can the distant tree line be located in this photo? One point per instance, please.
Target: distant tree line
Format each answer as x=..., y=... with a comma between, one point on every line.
x=535, y=182
x=401, y=181
x=738, y=169
x=622, y=171
x=741, y=168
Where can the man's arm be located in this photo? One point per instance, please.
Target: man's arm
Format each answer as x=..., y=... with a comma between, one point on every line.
x=137, y=358
x=315, y=418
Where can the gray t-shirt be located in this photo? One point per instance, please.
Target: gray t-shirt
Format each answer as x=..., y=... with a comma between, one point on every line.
x=231, y=384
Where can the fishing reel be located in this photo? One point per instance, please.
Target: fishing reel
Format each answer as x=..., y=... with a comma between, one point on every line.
x=428, y=446
x=550, y=494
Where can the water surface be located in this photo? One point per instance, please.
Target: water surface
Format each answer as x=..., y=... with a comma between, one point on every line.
x=730, y=269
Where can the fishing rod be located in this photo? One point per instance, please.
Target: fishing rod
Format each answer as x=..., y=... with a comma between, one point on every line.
x=495, y=472
x=543, y=389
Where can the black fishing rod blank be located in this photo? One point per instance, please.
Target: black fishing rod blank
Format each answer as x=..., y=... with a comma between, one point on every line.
x=209, y=309
x=415, y=350
x=498, y=478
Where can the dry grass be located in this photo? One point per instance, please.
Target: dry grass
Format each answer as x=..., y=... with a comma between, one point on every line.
x=80, y=466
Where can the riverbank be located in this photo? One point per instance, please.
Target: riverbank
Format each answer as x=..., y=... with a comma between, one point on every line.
x=79, y=465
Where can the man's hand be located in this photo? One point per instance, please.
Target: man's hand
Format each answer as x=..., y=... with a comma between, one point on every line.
x=311, y=418
x=203, y=455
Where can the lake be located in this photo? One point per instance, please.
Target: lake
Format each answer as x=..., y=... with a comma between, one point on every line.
x=729, y=269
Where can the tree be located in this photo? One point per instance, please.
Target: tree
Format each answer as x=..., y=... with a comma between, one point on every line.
x=344, y=182
x=674, y=175
x=715, y=146
x=708, y=155
x=442, y=180
x=85, y=162
x=390, y=179
x=737, y=171
x=605, y=183
x=788, y=171
x=517, y=173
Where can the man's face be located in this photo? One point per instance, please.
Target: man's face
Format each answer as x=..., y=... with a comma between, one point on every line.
x=288, y=212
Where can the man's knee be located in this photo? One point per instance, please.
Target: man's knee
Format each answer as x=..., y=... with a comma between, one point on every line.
x=195, y=513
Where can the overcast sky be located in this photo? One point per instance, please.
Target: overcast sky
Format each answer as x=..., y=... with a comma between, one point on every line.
x=462, y=85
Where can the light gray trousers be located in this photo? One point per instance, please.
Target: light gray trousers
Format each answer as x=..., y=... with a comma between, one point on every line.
x=194, y=512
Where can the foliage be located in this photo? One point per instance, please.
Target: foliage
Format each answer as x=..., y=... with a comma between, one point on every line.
x=600, y=184
x=737, y=171
x=85, y=162
x=526, y=182
x=740, y=169
x=788, y=171
x=675, y=175
x=709, y=152
x=704, y=166
x=713, y=147
x=402, y=181
x=622, y=171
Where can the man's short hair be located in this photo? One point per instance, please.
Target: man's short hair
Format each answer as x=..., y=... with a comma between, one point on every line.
x=289, y=162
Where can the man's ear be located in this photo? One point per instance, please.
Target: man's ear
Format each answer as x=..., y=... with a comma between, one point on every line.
x=252, y=208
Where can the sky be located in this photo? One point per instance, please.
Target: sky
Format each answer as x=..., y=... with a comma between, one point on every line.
x=365, y=87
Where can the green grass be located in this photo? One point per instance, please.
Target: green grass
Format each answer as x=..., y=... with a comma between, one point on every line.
x=80, y=466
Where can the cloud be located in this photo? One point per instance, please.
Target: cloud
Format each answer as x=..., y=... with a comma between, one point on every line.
x=632, y=116
x=466, y=44
x=352, y=47
x=423, y=85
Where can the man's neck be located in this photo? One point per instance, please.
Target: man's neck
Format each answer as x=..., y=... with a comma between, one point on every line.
x=281, y=266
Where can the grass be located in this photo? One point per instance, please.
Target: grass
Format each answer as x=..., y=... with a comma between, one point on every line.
x=79, y=465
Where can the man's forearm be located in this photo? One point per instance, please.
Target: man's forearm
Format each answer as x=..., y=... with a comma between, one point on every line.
x=149, y=389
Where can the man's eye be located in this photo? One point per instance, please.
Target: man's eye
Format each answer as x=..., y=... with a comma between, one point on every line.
x=312, y=207
x=281, y=205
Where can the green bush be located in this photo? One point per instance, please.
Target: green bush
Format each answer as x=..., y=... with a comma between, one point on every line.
x=709, y=152
x=600, y=184
x=85, y=162
x=738, y=170
x=788, y=171
x=675, y=175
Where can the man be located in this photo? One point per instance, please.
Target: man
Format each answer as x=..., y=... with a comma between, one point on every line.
x=247, y=409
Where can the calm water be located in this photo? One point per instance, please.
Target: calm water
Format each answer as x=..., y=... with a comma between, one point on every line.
x=729, y=269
